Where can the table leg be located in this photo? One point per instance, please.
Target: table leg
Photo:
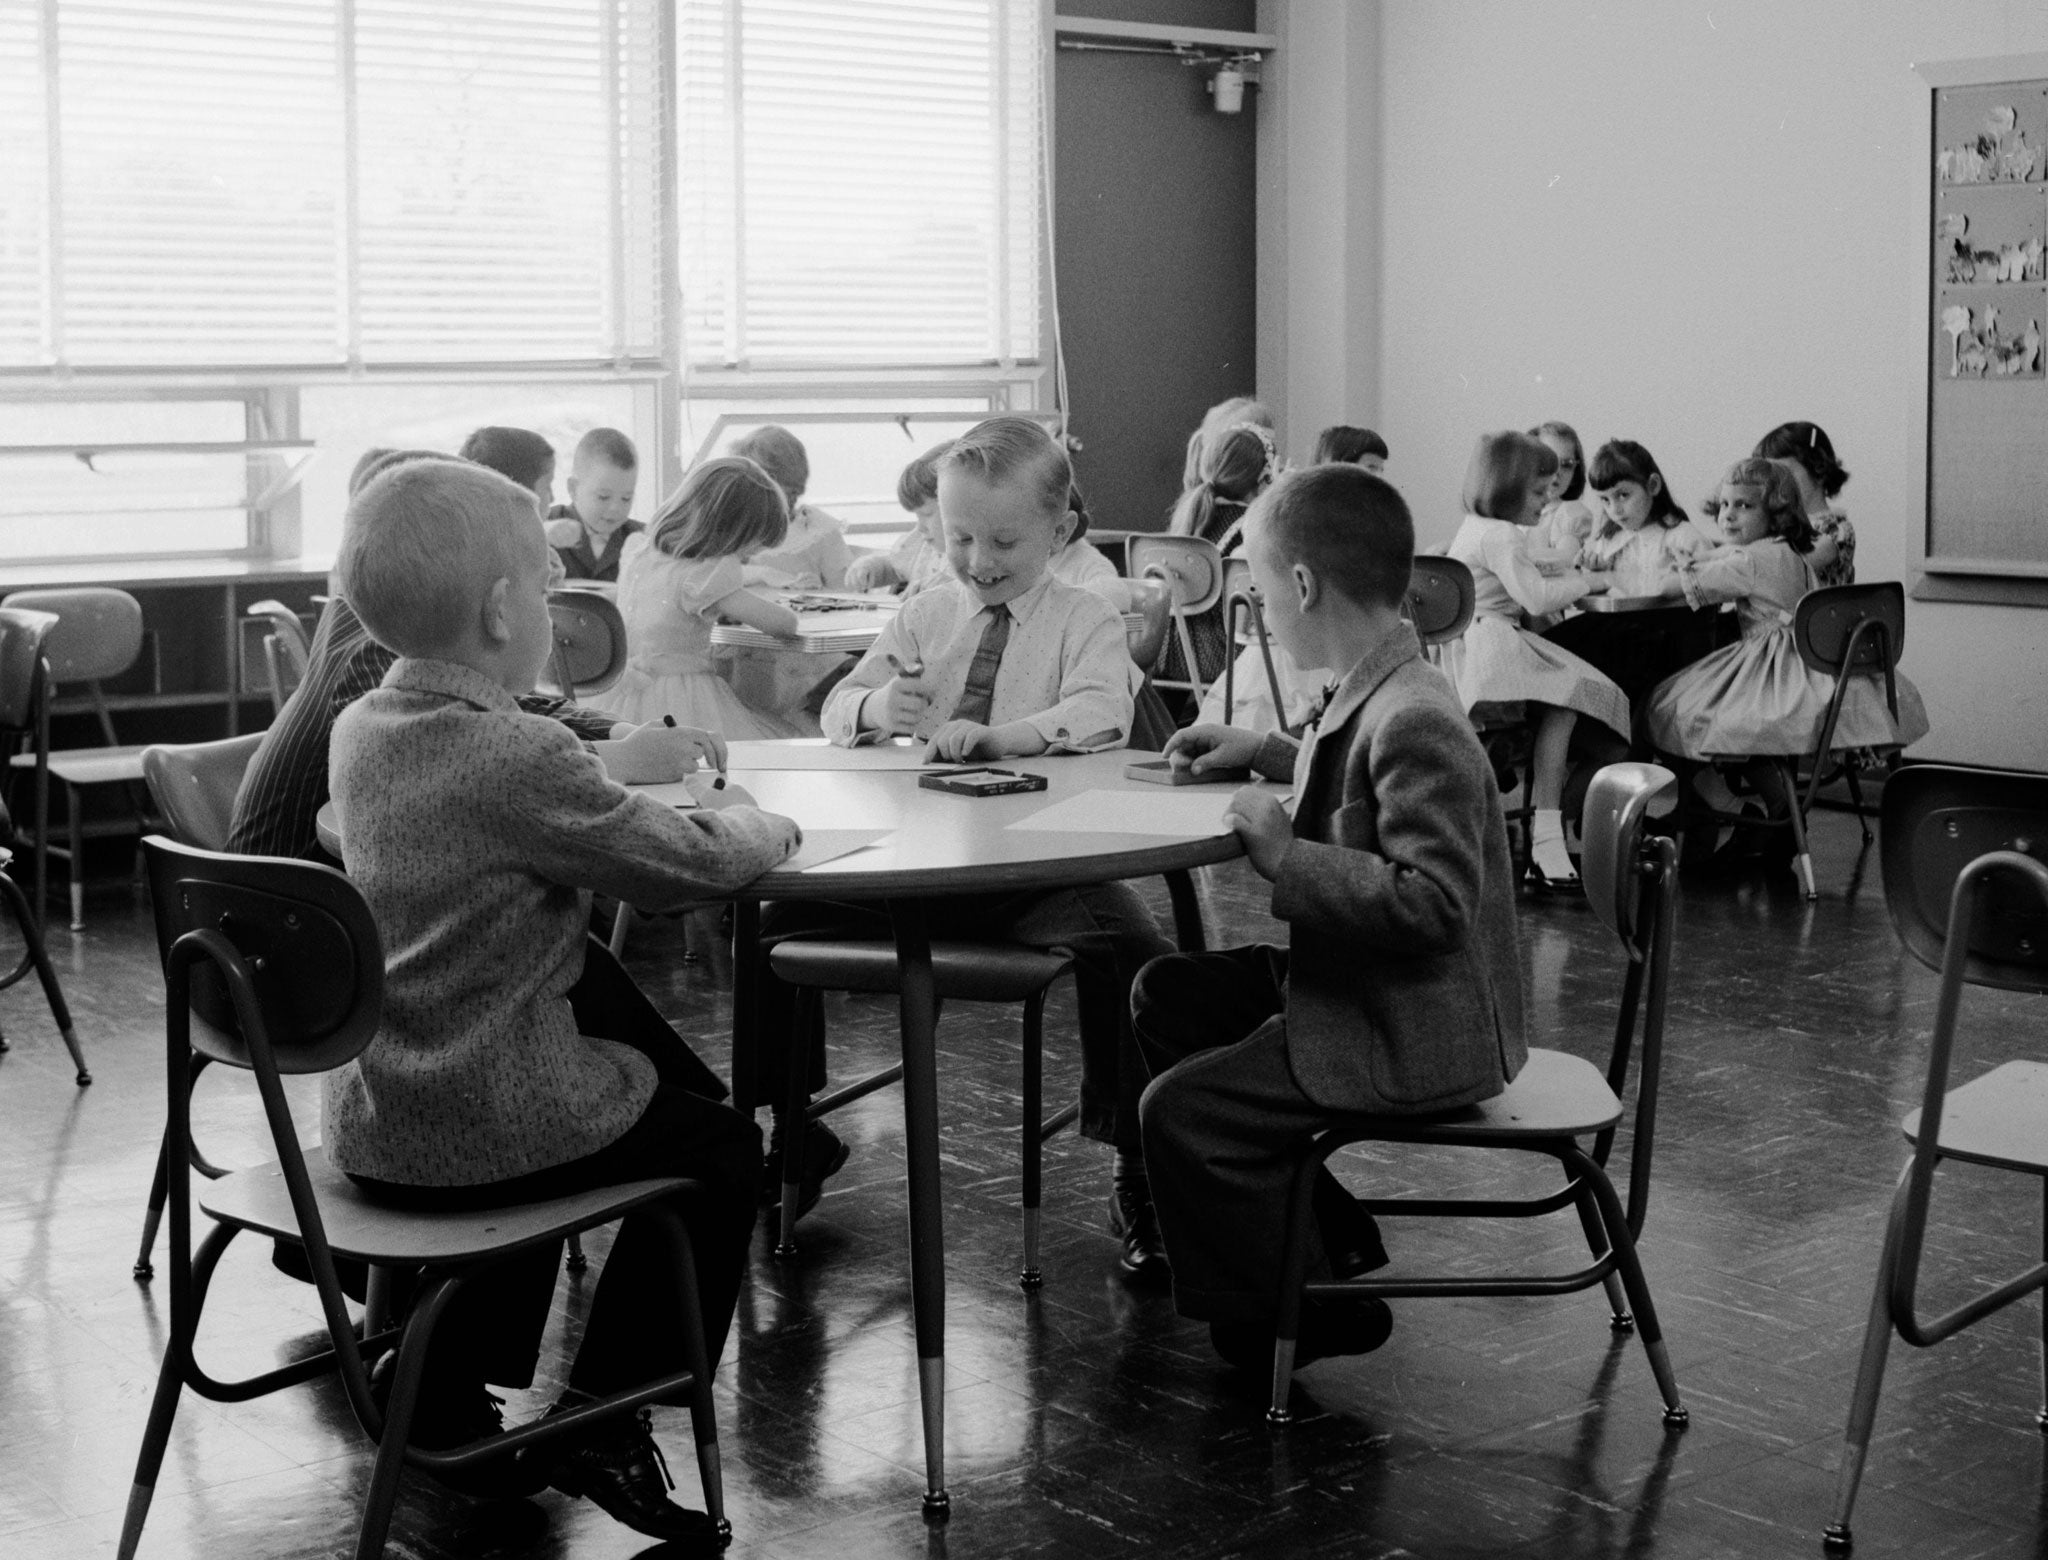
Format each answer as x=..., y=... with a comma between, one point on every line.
x=921, y=1153
x=746, y=1022
x=1187, y=912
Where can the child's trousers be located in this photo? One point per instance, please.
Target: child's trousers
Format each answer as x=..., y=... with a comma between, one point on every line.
x=1105, y=926
x=1225, y=1124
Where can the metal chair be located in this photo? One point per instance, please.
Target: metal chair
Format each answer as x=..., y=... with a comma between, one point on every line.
x=1192, y=571
x=966, y=972
x=1843, y=632
x=1439, y=602
x=1152, y=601
x=98, y=635
x=25, y=718
x=275, y=966
x=286, y=652
x=1240, y=595
x=1963, y=853
x=1554, y=1102
x=590, y=642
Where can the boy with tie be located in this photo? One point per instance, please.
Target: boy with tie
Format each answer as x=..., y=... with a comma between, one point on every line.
x=1401, y=990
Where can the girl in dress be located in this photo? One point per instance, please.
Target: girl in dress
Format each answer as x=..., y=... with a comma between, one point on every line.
x=1217, y=421
x=1499, y=662
x=685, y=575
x=1236, y=466
x=1757, y=697
x=1820, y=475
x=1567, y=519
x=813, y=555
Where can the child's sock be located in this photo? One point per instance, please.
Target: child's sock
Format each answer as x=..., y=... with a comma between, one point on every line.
x=1546, y=846
x=1128, y=1170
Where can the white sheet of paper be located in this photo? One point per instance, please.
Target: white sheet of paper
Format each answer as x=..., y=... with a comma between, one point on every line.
x=817, y=753
x=676, y=793
x=1194, y=813
x=823, y=845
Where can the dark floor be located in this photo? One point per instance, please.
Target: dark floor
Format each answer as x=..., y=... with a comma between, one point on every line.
x=1089, y=1419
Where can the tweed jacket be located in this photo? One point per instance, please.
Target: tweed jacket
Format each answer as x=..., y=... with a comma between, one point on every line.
x=476, y=833
x=1404, y=985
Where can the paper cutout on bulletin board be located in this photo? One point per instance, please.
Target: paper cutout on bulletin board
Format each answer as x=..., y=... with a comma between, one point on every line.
x=1985, y=261
x=2000, y=152
x=1984, y=346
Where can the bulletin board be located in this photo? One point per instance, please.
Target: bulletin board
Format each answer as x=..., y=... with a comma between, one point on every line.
x=1987, y=400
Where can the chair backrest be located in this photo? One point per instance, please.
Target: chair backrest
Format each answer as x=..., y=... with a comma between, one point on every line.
x=1153, y=603
x=303, y=932
x=286, y=652
x=1825, y=623
x=1191, y=568
x=98, y=632
x=1440, y=600
x=590, y=642
x=195, y=784
x=1611, y=830
x=23, y=635
x=1937, y=820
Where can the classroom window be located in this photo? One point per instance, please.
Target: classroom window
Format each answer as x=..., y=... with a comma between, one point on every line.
x=861, y=185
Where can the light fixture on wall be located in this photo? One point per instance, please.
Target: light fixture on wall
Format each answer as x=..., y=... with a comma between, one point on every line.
x=1233, y=74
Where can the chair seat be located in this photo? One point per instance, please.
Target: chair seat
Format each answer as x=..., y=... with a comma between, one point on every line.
x=90, y=766
x=257, y=1199
x=1555, y=1094
x=1999, y=1119
x=966, y=972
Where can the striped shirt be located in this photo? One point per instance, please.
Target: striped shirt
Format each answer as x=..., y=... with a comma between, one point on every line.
x=286, y=783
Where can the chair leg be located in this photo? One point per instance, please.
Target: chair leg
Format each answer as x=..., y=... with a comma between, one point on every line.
x=1802, y=855
x=1877, y=1342
x=1596, y=1240
x=1852, y=771
x=1593, y=1183
x=622, y=923
x=77, y=857
x=1034, y=1109
x=577, y=1262
x=2041, y=1414
x=382, y=1495
x=1188, y=934
x=46, y=972
x=156, y=1437
x=1293, y=1274
x=810, y=1007
x=703, y=1410
x=153, y=1218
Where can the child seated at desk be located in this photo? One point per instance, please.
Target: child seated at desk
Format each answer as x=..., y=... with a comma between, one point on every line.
x=590, y=532
x=919, y=557
x=1005, y=662
x=1402, y=989
x=476, y=833
x=813, y=555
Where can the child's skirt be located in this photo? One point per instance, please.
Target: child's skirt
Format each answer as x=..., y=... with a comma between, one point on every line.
x=697, y=698
x=1758, y=697
x=1497, y=664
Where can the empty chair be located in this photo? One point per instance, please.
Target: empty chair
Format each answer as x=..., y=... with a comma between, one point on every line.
x=1241, y=605
x=1152, y=724
x=1965, y=860
x=1192, y=571
x=25, y=720
x=590, y=643
x=275, y=966
x=286, y=652
x=1554, y=1105
x=98, y=635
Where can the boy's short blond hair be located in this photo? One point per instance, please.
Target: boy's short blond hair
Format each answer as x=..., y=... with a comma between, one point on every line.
x=1015, y=452
x=423, y=542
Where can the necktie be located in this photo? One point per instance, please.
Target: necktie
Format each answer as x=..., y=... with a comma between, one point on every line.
x=980, y=691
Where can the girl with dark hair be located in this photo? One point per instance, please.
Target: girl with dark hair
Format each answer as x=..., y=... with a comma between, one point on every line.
x=1820, y=475
x=1567, y=519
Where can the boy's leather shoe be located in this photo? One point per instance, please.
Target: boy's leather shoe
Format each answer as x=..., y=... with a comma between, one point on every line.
x=441, y=1423
x=1133, y=1221
x=825, y=1154
x=618, y=1468
x=1327, y=1330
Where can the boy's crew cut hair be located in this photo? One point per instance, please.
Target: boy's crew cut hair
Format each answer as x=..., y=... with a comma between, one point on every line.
x=1504, y=467
x=1015, y=451
x=422, y=542
x=726, y=506
x=1349, y=445
x=919, y=483
x=518, y=453
x=1349, y=526
x=610, y=446
x=781, y=454
x=1624, y=460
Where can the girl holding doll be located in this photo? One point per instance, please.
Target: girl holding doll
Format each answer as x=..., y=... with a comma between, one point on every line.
x=1757, y=697
x=1499, y=662
x=688, y=573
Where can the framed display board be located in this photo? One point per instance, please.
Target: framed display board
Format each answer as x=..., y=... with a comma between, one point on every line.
x=1987, y=333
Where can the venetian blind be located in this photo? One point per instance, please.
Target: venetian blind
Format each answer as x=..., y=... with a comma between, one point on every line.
x=220, y=183
x=861, y=185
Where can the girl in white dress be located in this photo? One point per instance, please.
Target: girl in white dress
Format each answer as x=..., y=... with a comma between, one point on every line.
x=679, y=581
x=1499, y=662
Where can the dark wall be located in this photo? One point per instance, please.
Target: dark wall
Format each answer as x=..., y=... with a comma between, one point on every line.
x=1154, y=235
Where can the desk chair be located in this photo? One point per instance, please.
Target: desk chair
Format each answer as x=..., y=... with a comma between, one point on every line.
x=1439, y=602
x=590, y=643
x=1192, y=571
x=25, y=719
x=1841, y=631
x=275, y=966
x=286, y=653
x=1152, y=724
x=966, y=972
x=1555, y=1101
x=98, y=635
x=1240, y=596
x=1965, y=860
x=194, y=787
